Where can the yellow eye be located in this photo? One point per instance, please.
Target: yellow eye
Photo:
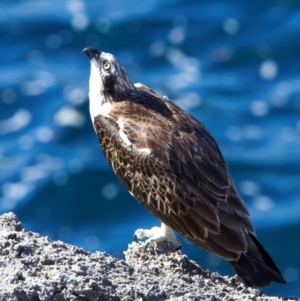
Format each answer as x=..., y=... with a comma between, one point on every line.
x=106, y=66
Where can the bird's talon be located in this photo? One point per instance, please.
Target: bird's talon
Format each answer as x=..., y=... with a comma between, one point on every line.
x=146, y=245
x=177, y=248
x=135, y=238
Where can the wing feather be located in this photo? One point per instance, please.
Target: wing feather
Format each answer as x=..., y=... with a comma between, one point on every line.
x=175, y=168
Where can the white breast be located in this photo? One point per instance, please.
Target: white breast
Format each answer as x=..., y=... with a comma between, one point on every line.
x=98, y=106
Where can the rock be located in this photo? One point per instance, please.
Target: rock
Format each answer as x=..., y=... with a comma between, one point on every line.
x=33, y=267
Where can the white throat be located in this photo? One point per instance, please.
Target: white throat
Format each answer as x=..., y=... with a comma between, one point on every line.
x=98, y=106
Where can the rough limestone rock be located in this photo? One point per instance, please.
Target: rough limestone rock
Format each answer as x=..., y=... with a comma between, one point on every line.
x=35, y=268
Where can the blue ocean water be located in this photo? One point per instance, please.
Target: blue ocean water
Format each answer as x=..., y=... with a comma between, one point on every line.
x=232, y=64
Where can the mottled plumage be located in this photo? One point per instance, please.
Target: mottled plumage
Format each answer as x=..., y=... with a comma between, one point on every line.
x=170, y=163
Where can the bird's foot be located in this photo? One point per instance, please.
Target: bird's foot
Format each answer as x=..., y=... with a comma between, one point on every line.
x=157, y=234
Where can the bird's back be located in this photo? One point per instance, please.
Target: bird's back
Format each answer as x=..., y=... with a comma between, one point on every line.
x=171, y=164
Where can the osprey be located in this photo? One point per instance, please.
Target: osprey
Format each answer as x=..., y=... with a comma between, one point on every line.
x=171, y=164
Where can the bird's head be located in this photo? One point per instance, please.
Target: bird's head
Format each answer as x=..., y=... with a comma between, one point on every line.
x=108, y=78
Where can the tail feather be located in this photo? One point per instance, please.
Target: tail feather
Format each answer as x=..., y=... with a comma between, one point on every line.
x=256, y=267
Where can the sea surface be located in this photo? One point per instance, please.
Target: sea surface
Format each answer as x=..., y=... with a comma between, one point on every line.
x=234, y=65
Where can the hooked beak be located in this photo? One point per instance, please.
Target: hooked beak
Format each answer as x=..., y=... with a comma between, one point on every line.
x=91, y=52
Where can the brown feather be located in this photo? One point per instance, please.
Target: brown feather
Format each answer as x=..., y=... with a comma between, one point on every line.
x=175, y=168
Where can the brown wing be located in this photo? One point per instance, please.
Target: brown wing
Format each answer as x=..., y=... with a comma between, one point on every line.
x=174, y=167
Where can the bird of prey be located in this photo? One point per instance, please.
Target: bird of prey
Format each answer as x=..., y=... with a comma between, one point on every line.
x=171, y=164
